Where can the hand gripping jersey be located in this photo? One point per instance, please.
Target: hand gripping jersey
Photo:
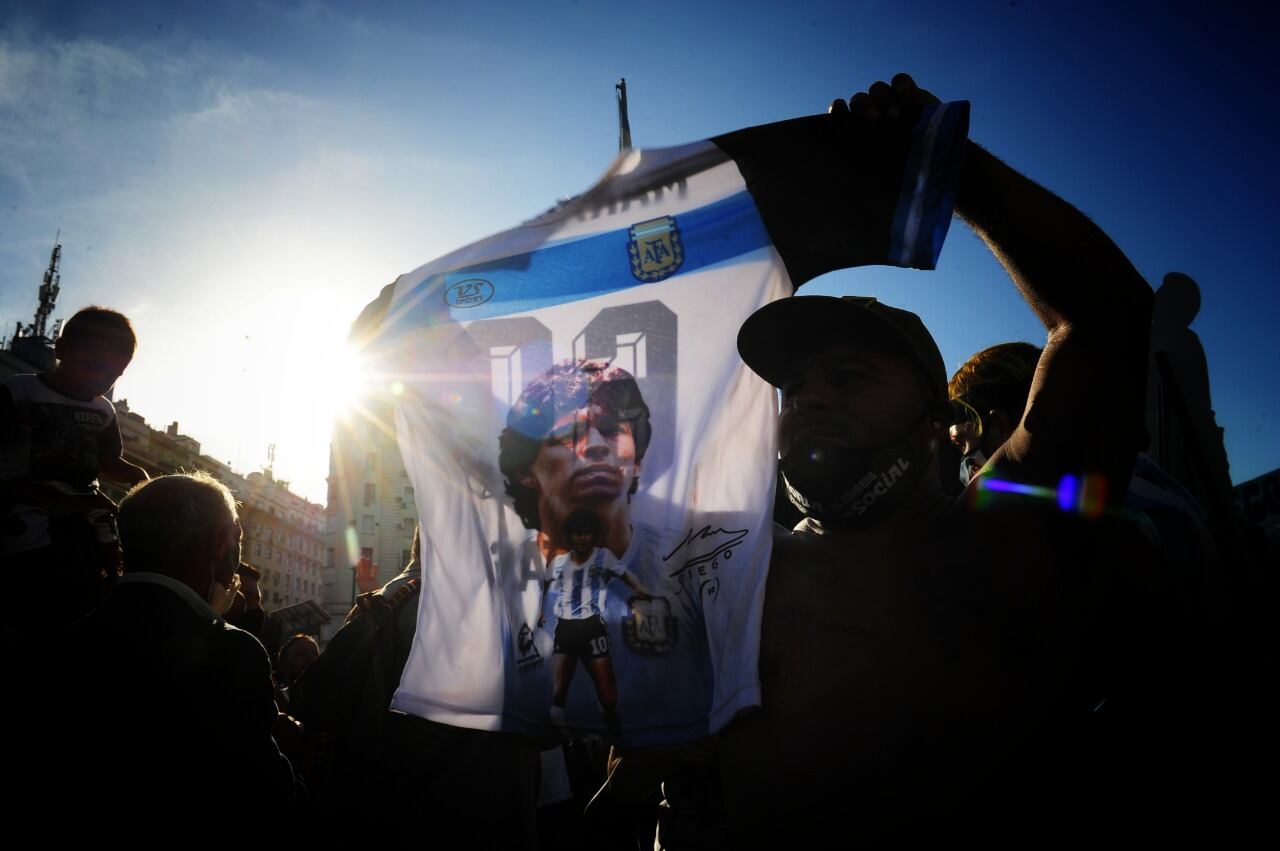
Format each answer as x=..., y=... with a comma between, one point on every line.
x=584, y=364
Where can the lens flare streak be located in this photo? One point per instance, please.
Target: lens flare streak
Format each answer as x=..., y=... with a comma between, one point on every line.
x=1084, y=495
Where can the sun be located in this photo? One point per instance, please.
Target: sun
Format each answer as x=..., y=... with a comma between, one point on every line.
x=304, y=380
x=347, y=378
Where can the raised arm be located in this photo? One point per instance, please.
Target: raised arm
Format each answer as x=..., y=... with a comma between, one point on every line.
x=1069, y=271
x=1085, y=412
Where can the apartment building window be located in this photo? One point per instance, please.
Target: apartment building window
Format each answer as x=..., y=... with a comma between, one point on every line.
x=370, y=462
x=408, y=495
x=370, y=493
x=366, y=524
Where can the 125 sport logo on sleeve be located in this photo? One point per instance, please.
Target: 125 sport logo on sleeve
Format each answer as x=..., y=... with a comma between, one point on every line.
x=472, y=292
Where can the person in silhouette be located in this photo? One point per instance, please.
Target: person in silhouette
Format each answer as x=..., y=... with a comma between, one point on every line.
x=1186, y=439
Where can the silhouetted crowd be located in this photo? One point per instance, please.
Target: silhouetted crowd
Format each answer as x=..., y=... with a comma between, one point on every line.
x=1049, y=621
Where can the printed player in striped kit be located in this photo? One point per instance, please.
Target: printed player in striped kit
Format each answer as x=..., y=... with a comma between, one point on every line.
x=581, y=577
x=571, y=456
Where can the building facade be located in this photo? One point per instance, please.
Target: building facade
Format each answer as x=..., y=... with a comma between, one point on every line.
x=371, y=510
x=283, y=538
x=283, y=533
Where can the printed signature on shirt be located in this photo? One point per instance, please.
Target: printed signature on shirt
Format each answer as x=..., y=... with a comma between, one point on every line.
x=724, y=541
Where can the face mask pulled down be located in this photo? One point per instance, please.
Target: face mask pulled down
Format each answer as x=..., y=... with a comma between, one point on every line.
x=851, y=486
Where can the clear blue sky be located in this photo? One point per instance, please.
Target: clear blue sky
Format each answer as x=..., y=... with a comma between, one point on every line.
x=242, y=177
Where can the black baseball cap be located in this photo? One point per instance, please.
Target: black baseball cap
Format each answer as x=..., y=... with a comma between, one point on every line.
x=772, y=336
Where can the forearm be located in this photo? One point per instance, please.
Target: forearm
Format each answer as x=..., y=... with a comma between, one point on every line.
x=120, y=470
x=1067, y=268
x=634, y=584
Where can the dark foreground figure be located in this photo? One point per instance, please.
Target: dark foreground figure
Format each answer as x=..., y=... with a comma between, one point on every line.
x=994, y=663
x=160, y=702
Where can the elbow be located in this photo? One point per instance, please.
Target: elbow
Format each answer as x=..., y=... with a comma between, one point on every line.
x=1123, y=309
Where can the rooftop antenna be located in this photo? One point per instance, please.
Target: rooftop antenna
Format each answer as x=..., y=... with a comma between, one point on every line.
x=48, y=289
x=34, y=343
x=624, y=125
x=271, y=458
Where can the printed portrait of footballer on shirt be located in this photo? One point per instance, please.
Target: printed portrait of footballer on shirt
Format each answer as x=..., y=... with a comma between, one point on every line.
x=571, y=456
x=575, y=439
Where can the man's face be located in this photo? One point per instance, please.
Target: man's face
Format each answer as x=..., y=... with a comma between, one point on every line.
x=986, y=436
x=848, y=395
x=966, y=437
x=582, y=543
x=226, y=566
x=89, y=370
x=588, y=461
x=297, y=659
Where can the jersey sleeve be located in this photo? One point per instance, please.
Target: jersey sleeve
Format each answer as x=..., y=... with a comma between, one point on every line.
x=834, y=195
x=611, y=566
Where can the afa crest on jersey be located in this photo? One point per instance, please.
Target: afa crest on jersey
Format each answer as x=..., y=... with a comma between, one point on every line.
x=650, y=628
x=655, y=248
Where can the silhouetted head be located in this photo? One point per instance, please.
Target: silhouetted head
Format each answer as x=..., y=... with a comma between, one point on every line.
x=863, y=402
x=1177, y=302
x=93, y=350
x=990, y=396
x=295, y=656
x=183, y=526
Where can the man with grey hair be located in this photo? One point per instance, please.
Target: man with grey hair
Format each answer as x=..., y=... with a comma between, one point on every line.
x=164, y=700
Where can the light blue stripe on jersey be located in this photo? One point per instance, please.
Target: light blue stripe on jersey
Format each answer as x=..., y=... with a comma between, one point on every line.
x=587, y=267
x=582, y=587
x=928, y=191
